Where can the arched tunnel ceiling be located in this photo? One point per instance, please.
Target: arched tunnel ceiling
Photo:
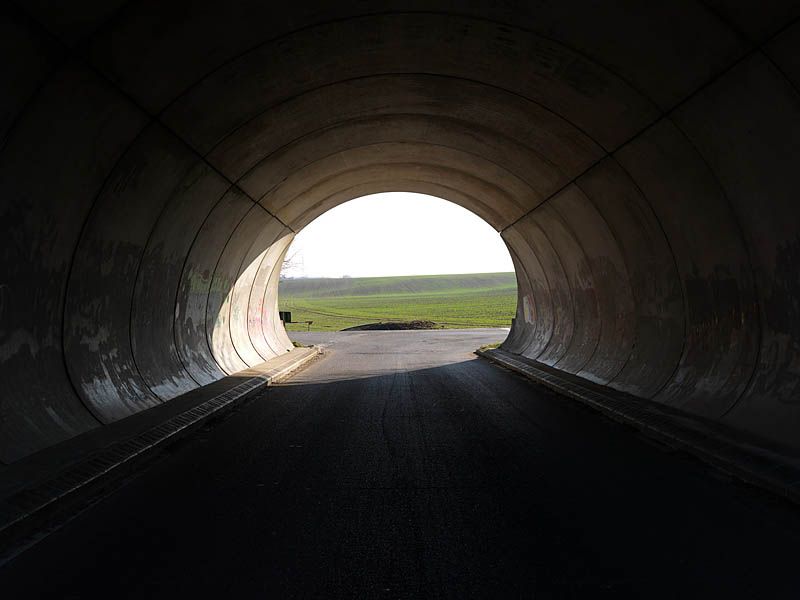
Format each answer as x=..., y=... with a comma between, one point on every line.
x=638, y=158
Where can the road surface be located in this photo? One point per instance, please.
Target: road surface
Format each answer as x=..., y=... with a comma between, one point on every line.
x=401, y=466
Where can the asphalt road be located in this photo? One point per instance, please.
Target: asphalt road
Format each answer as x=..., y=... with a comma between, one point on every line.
x=401, y=466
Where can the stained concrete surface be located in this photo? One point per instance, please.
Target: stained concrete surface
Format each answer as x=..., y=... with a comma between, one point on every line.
x=401, y=466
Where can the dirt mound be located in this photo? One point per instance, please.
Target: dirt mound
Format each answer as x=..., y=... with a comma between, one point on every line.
x=394, y=325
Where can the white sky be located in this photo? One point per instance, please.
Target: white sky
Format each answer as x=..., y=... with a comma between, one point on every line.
x=397, y=233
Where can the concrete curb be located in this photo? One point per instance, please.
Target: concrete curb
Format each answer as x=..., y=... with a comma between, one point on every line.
x=730, y=451
x=42, y=498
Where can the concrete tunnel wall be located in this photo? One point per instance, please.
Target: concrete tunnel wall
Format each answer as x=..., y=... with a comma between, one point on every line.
x=156, y=160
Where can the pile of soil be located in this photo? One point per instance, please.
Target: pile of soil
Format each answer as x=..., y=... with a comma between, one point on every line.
x=394, y=325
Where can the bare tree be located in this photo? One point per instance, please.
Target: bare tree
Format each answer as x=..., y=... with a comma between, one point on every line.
x=292, y=262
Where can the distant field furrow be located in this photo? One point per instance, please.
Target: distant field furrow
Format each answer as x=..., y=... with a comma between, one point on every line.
x=473, y=300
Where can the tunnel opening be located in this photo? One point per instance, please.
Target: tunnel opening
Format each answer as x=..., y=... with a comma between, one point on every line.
x=647, y=200
x=639, y=161
x=400, y=261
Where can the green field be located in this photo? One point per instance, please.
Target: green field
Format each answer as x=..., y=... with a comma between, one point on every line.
x=451, y=301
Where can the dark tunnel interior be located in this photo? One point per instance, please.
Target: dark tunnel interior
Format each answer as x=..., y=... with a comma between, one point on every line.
x=156, y=160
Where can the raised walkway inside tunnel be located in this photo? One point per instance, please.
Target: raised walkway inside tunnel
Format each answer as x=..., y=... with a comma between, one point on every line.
x=402, y=466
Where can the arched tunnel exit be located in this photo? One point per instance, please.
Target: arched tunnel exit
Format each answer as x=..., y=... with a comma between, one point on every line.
x=397, y=260
x=639, y=160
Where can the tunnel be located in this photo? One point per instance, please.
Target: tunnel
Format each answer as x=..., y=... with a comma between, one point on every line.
x=638, y=159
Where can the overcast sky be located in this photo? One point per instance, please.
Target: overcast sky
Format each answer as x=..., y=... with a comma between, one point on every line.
x=397, y=233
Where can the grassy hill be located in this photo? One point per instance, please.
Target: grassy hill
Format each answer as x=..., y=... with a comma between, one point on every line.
x=471, y=300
